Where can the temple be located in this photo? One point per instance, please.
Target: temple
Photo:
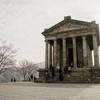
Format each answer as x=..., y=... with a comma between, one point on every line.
x=71, y=43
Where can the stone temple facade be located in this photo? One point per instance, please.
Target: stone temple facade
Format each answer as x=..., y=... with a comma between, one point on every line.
x=71, y=42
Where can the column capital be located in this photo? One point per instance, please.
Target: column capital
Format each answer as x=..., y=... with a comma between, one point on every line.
x=64, y=38
x=46, y=40
x=54, y=39
x=84, y=38
x=94, y=35
x=74, y=37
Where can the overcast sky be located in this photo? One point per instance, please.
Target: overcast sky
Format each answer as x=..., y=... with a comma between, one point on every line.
x=22, y=21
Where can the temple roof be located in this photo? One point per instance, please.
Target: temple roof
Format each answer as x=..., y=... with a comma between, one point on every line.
x=68, y=24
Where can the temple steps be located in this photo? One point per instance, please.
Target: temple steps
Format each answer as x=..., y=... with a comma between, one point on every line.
x=76, y=76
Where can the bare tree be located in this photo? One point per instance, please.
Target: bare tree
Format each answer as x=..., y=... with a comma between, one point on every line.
x=7, y=54
x=27, y=67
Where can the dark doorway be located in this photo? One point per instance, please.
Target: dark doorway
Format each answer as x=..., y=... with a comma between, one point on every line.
x=70, y=55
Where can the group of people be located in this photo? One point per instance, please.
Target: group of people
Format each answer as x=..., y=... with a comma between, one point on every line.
x=47, y=73
x=68, y=69
x=31, y=77
x=13, y=79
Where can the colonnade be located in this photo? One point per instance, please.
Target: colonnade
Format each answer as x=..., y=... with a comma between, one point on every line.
x=52, y=49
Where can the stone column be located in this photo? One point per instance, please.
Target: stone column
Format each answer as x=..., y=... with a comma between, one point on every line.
x=46, y=54
x=64, y=53
x=55, y=54
x=96, y=56
x=74, y=53
x=50, y=54
x=85, y=58
x=58, y=55
x=89, y=56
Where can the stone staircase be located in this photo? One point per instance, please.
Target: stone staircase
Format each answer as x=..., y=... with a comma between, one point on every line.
x=76, y=76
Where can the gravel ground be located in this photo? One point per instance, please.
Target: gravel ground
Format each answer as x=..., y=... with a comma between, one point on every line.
x=37, y=91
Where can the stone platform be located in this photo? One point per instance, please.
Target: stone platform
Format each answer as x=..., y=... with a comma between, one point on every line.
x=80, y=75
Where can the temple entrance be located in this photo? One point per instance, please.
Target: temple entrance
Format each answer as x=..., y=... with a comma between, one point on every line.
x=70, y=55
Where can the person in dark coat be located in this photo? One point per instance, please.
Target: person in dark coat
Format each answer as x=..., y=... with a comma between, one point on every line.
x=53, y=72
x=60, y=74
x=69, y=70
x=66, y=69
x=11, y=79
x=34, y=78
x=31, y=76
x=71, y=64
x=50, y=67
x=14, y=79
x=46, y=75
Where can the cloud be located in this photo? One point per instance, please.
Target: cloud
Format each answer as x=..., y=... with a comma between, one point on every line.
x=22, y=21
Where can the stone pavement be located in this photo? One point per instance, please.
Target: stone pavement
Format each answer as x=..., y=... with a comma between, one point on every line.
x=42, y=91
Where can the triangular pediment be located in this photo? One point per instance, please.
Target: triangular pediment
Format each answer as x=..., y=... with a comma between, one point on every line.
x=67, y=25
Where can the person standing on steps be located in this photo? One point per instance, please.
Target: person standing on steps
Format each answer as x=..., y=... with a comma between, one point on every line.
x=69, y=70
